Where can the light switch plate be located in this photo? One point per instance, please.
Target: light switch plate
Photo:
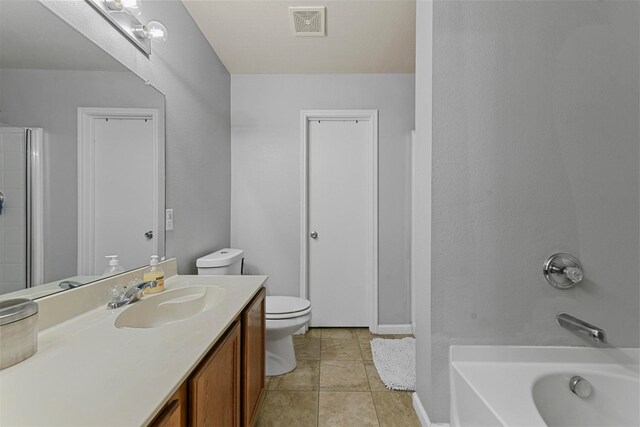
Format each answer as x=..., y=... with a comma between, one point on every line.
x=168, y=219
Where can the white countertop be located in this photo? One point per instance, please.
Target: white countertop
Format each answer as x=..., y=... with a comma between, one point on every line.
x=87, y=372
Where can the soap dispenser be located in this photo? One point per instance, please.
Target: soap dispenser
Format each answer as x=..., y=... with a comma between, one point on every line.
x=114, y=266
x=154, y=272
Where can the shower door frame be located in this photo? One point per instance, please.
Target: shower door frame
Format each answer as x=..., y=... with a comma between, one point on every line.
x=35, y=207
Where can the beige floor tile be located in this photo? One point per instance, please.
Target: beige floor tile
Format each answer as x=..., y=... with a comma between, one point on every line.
x=311, y=333
x=375, y=382
x=338, y=333
x=343, y=375
x=340, y=349
x=348, y=409
x=306, y=376
x=364, y=334
x=307, y=349
x=365, y=349
x=395, y=409
x=289, y=408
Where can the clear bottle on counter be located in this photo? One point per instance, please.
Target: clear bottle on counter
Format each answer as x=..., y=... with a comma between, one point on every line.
x=114, y=266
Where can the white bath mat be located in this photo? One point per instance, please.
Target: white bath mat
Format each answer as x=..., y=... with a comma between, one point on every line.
x=395, y=361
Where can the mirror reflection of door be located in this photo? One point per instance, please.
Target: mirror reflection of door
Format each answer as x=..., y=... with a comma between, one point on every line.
x=119, y=190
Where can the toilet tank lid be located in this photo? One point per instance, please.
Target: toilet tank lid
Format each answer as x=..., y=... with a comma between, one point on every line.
x=221, y=258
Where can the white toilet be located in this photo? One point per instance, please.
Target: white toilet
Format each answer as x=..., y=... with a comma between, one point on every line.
x=285, y=315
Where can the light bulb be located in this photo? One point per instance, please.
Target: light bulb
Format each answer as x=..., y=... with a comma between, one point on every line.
x=132, y=7
x=157, y=31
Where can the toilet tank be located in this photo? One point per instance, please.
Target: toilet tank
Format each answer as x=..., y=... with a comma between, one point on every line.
x=222, y=262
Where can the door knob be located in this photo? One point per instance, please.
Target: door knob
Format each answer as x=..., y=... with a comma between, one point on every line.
x=149, y=234
x=313, y=235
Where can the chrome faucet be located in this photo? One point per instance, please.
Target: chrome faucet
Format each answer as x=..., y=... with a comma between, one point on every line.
x=574, y=324
x=130, y=295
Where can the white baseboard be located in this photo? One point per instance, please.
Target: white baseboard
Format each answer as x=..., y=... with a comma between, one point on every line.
x=420, y=411
x=422, y=414
x=394, y=329
x=413, y=328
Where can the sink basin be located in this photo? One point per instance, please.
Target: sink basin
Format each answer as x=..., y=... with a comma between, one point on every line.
x=170, y=307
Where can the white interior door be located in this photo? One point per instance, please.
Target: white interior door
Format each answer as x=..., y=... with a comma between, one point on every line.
x=339, y=194
x=125, y=205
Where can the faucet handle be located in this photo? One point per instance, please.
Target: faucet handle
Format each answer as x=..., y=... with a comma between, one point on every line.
x=562, y=271
x=116, y=293
x=574, y=274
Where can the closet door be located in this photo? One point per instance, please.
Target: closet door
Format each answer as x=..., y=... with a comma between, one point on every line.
x=338, y=219
x=125, y=221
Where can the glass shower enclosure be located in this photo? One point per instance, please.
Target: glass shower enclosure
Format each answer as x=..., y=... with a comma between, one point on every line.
x=20, y=208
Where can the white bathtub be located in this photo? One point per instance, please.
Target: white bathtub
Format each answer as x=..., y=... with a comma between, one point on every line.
x=529, y=386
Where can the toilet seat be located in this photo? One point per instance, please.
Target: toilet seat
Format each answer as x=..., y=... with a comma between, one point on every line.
x=282, y=307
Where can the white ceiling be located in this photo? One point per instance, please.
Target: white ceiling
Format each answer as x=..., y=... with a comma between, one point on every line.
x=32, y=37
x=363, y=36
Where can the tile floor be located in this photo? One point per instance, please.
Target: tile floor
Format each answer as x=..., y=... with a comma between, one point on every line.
x=335, y=384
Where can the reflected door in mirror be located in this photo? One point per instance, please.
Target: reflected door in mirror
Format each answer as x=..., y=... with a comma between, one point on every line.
x=124, y=188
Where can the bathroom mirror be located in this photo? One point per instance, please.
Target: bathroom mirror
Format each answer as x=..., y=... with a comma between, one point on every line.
x=81, y=157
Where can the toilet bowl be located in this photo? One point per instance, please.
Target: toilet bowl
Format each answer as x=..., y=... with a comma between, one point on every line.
x=285, y=315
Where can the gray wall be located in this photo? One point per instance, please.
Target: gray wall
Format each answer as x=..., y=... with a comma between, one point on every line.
x=535, y=150
x=197, y=89
x=265, y=123
x=49, y=99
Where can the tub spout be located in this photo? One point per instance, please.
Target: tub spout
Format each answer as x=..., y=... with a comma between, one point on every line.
x=574, y=324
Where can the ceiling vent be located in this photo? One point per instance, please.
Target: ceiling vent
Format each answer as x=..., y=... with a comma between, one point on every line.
x=307, y=21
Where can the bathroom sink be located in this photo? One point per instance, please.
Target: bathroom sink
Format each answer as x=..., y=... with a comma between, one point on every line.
x=170, y=307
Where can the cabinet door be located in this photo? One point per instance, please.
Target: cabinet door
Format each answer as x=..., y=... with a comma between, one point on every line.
x=174, y=413
x=214, y=389
x=253, y=358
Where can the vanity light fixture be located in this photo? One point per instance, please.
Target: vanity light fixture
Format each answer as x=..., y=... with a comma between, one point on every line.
x=129, y=24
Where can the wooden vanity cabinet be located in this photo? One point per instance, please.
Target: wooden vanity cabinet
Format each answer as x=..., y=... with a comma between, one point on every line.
x=253, y=358
x=228, y=386
x=214, y=388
